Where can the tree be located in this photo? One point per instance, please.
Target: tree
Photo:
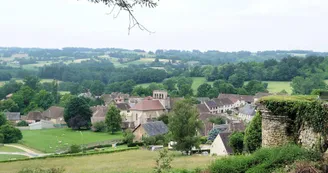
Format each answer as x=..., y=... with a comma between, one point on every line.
x=9, y=105
x=164, y=118
x=54, y=91
x=3, y=119
x=97, y=88
x=253, y=134
x=128, y=136
x=217, y=120
x=128, y=6
x=32, y=81
x=236, y=142
x=254, y=86
x=213, y=93
x=302, y=85
x=44, y=99
x=236, y=80
x=65, y=99
x=170, y=84
x=163, y=162
x=203, y=90
x=113, y=119
x=183, y=125
x=10, y=133
x=77, y=114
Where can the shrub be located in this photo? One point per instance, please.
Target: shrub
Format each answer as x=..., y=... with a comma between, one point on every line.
x=154, y=140
x=3, y=119
x=22, y=123
x=253, y=134
x=128, y=136
x=264, y=160
x=38, y=170
x=236, y=142
x=203, y=139
x=75, y=149
x=10, y=133
x=134, y=144
x=99, y=126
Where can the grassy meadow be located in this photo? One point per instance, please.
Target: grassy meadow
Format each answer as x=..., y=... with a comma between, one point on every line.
x=10, y=149
x=137, y=161
x=10, y=157
x=49, y=140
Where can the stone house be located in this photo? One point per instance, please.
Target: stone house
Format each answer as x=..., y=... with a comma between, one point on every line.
x=211, y=106
x=33, y=116
x=55, y=114
x=238, y=100
x=14, y=117
x=220, y=145
x=247, y=112
x=149, y=129
x=43, y=124
x=98, y=113
x=146, y=110
x=115, y=97
x=220, y=105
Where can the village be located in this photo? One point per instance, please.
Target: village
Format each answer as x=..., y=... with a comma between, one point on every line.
x=220, y=116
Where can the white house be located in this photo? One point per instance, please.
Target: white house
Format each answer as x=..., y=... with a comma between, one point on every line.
x=41, y=125
x=246, y=112
x=220, y=145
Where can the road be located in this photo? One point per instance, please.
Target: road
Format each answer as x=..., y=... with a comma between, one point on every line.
x=28, y=152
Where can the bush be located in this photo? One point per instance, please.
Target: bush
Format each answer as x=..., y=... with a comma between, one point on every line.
x=128, y=136
x=236, y=142
x=22, y=123
x=10, y=133
x=99, y=126
x=38, y=170
x=135, y=144
x=264, y=160
x=75, y=149
x=253, y=134
x=154, y=140
x=203, y=139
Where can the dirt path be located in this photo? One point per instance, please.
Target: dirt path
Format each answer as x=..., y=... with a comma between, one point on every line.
x=28, y=152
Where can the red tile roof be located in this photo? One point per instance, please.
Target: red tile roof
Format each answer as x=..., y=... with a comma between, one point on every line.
x=147, y=105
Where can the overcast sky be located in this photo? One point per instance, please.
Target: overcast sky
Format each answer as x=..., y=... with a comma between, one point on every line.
x=225, y=25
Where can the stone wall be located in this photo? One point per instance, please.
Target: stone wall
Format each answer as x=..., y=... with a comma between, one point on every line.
x=274, y=131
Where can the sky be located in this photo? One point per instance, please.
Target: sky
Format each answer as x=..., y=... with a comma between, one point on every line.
x=225, y=25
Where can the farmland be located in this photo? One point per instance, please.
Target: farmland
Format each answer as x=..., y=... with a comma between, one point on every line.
x=138, y=161
x=51, y=139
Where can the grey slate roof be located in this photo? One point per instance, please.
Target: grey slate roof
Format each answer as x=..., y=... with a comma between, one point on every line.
x=13, y=116
x=223, y=101
x=247, y=110
x=155, y=128
x=123, y=106
x=202, y=108
x=211, y=104
x=225, y=139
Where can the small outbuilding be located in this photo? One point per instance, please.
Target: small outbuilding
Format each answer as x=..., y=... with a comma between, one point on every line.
x=43, y=124
x=220, y=145
x=149, y=129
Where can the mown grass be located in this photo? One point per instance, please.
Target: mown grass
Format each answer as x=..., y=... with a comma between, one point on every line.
x=49, y=140
x=9, y=157
x=10, y=149
x=137, y=161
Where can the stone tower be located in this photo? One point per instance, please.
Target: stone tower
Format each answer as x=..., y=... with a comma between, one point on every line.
x=162, y=96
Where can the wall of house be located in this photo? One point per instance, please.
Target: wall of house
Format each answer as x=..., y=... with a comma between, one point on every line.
x=139, y=117
x=138, y=133
x=245, y=117
x=218, y=148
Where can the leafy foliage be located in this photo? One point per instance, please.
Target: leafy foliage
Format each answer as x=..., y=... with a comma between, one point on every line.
x=306, y=85
x=77, y=114
x=3, y=119
x=113, y=119
x=163, y=162
x=22, y=123
x=99, y=126
x=183, y=125
x=264, y=160
x=253, y=134
x=236, y=142
x=74, y=149
x=39, y=170
x=128, y=136
x=10, y=133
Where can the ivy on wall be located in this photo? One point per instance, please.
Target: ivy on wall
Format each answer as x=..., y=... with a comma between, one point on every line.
x=300, y=110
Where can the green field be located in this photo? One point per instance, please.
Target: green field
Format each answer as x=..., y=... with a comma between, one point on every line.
x=137, y=161
x=9, y=149
x=10, y=157
x=51, y=139
x=273, y=86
